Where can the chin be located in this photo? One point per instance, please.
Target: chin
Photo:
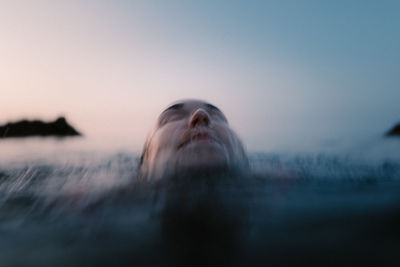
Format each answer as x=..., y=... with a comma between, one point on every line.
x=198, y=157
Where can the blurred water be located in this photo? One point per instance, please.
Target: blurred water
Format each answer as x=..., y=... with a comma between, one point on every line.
x=77, y=202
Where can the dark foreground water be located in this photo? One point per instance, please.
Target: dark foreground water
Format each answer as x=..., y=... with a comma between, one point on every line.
x=84, y=207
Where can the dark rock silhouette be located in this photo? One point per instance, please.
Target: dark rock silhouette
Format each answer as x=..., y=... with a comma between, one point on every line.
x=26, y=128
x=395, y=131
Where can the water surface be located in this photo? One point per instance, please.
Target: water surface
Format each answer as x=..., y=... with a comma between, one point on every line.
x=74, y=202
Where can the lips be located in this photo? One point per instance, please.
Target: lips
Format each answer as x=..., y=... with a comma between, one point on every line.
x=197, y=137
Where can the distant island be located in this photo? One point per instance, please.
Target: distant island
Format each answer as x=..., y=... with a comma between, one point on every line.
x=26, y=128
x=395, y=131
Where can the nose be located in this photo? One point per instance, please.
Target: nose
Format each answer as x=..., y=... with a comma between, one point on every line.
x=199, y=118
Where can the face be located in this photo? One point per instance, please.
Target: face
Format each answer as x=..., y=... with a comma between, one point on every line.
x=191, y=135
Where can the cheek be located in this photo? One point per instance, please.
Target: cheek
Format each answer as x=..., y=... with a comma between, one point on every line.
x=231, y=141
x=166, y=138
x=227, y=137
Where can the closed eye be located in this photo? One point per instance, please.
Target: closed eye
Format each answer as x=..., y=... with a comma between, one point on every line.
x=170, y=116
x=172, y=113
x=212, y=107
x=215, y=111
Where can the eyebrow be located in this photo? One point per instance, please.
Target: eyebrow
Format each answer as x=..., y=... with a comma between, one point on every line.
x=174, y=107
x=212, y=107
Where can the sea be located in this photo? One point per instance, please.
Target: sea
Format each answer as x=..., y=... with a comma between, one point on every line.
x=73, y=202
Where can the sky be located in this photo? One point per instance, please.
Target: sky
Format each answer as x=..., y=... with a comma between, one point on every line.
x=280, y=70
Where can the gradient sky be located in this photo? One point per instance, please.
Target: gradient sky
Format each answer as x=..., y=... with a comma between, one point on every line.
x=279, y=69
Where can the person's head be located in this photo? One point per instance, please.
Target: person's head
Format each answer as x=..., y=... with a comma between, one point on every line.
x=191, y=135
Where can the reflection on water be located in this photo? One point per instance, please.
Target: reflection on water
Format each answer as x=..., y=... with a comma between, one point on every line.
x=70, y=203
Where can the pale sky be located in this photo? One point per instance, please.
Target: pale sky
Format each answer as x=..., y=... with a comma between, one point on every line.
x=278, y=69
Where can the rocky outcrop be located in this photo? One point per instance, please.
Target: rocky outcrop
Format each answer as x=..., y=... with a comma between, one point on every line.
x=395, y=131
x=26, y=128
